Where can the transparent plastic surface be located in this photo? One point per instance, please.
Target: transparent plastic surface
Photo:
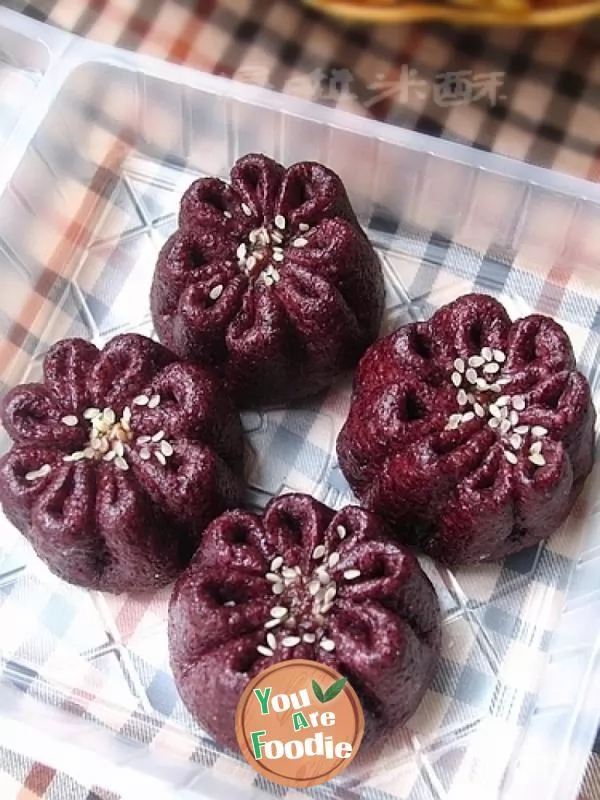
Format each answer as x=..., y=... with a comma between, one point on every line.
x=84, y=209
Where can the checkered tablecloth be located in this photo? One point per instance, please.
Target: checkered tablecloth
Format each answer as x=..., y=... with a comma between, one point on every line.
x=533, y=96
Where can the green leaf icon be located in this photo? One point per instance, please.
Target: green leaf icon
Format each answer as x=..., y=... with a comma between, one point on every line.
x=318, y=692
x=334, y=689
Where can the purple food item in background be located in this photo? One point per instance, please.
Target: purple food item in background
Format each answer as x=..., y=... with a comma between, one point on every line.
x=473, y=433
x=121, y=457
x=270, y=280
x=303, y=581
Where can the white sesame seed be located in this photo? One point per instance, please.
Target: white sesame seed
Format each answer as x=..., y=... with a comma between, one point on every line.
x=475, y=361
x=309, y=638
x=144, y=439
x=459, y=365
x=514, y=418
x=276, y=563
x=504, y=426
x=495, y=387
x=246, y=209
x=278, y=256
x=141, y=400
x=522, y=429
x=468, y=416
x=241, y=251
x=471, y=375
x=272, y=641
x=461, y=397
x=482, y=384
x=264, y=651
x=96, y=443
x=160, y=457
x=333, y=559
x=304, y=226
x=510, y=457
x=121, y=464
x=479, y=410
x=290, y=641
x=341, y=531
x=352, y=574
x=470, y=398
x=272, y=577
x=494, y=422
x=537, y=459
x=323, y=576
x=77, y=455
x=515, y=441
x=252, y=236
x=126, y=416
x=154, y=401
x=300, y=242
x=89, y=452
x=109, y=416
x=326, y=608
x=67, y=458
x=313, y=587
x=166, y=448
x=330, y=593
x=327, y=644
x=216, y=292
x=227, y=214
x=268, y=280
x=495, y=411
x=158, y=436
x=111, y=454
x=70, y=420
x=455, y=419
x=278, y=588
x=41, y=472
x=250, y=262
x=499, y=356
x=503, y=381
x=487, y=353
x=289, y=572
x=535, y=448
x=229, y=604
x=503, y=400
x=90, y=413
x=280, y=222
x=518, y=402
x=119, y=448
x=539, y=430
x=318, y=552
x=277, y=237
x=456, y=379
x=272, y=623
x=278, y=612
x=491, y=368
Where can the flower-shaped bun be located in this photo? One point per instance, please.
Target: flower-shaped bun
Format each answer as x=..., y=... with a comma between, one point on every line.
x=270, y=280
x=473, y=433
x=120, y=459
x=303, y=581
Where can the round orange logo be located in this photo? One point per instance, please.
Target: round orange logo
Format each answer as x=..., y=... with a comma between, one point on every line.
x=299, y=723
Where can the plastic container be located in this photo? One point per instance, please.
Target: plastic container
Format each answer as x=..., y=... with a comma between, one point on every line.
x=93, y=167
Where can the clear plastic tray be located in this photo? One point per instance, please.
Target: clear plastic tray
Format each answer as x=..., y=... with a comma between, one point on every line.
x=94, y=161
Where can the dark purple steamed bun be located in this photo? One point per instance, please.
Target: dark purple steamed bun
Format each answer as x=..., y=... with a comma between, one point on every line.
x=121, y=457
x=303, y=581
x=472, y=433
x=270, y=280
